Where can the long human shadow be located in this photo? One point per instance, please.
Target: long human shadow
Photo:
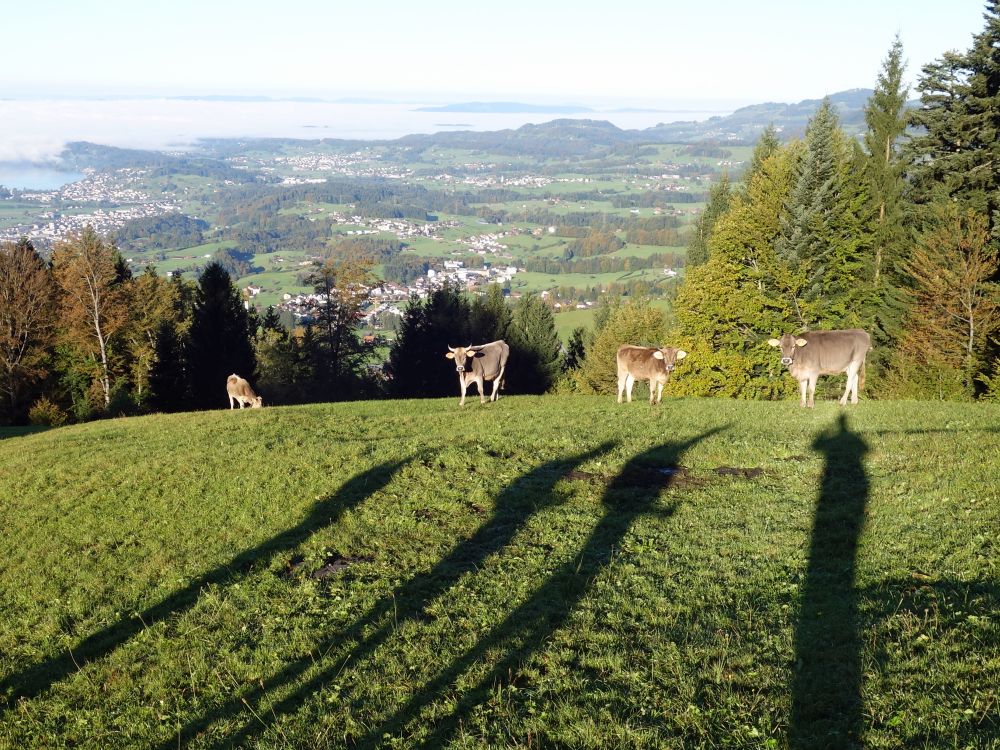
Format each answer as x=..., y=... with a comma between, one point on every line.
x=37, y=678
x=514, y=507
x=826, y=687
x=631, y=494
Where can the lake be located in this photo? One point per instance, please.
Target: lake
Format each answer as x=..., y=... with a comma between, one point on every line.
x=33, y=177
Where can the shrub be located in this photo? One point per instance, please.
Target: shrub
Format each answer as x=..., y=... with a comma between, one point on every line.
x=46, y=412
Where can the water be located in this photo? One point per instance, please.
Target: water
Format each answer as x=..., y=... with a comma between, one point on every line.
x=36, y=131
x=32, y=177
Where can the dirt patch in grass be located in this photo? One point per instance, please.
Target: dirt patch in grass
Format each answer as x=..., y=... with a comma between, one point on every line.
x=735, y=471
x=333, y=563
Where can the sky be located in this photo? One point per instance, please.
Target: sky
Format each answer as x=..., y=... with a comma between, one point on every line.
x=460, y=50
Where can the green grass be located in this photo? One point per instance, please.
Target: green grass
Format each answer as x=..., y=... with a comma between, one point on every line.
x=521, y=574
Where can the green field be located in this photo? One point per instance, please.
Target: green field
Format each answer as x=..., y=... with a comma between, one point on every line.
x=540, y=572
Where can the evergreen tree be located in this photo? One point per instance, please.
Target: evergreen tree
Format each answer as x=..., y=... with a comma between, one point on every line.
x=490, y=317
x=534, y=346
x=885, y=116
x=344, y=287
x=766, y=145
x=169, y=384
x=219, y=343
x=417, y=364
x=576, y=349
x=719, y=198
x=806, y=232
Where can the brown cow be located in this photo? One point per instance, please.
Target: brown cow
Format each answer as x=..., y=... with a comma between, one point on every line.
x=815, y=353
x=239, y=390
x=645, y=363
x=475, y=364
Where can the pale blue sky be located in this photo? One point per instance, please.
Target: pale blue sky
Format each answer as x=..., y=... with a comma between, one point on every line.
x=776, y=50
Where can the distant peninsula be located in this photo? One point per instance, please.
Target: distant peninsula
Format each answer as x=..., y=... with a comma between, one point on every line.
x=507, y=108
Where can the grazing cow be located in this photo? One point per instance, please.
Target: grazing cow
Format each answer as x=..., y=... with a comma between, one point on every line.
x=475, y=364
x=645, y=363
x=815, y=353
x=239, y=390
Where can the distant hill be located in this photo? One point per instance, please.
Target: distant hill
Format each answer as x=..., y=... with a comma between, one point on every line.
x=508, y=108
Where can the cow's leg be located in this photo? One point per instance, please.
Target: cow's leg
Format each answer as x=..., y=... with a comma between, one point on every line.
x=629, y=382
x=852, y=385
x=659, y=391
x=479, y=385
x=812, y=390
x=803, y=389
x=621, y=386
x=231, y=400
x=496, y=385
x=462, y=386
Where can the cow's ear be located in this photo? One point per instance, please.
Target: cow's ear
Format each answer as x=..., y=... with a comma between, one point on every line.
x=450, y=355
x=774, y=342
x=800, y=342
x=681, y=354
x=657, y=354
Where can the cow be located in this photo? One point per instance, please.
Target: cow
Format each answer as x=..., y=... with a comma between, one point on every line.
x=239, y=390
x=815, y=353
x=475, y=364
x=645, y=363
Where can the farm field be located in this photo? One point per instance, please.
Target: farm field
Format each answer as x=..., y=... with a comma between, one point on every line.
x=563, y=571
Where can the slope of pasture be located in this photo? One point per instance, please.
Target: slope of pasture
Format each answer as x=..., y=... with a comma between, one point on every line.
x=538, y=572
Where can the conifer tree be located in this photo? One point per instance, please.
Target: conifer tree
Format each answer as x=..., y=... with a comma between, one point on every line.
x=534, y=346
x=885, y=116
x=490, y=316
x=417, y=364
x=719, y=198
x=767, y=144
x=219, y=343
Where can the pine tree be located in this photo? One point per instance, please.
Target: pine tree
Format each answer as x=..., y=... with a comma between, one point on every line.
x=885, y=115
x=490, y=316
x=766, y=145
x=719, y=199
x=219, y=342
x=806, y=233
x=534, y=346
x=417, y=364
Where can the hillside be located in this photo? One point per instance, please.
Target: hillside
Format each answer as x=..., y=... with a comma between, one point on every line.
x=553, y=571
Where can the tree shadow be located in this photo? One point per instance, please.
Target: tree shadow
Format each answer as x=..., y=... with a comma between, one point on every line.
x=516, y=504
x=33, y=680
x=826, y=688
x=631, y=494
x=20, y=431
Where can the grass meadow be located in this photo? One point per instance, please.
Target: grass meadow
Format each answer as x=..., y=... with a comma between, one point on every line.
x=557, y=571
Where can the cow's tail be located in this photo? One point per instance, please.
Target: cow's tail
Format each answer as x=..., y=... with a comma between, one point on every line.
x=861, y=377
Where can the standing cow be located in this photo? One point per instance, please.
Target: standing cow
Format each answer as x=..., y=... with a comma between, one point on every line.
x=645, y=363
x=475, y=364
x=239, y=390
x=815, y=353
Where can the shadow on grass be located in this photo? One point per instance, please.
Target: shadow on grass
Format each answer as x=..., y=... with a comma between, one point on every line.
x=33, y=680
x=525, y=629
x=516, y=504
x=826, y=688
x=13, y=432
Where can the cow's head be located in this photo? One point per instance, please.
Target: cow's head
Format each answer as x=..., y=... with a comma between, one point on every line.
x=463, y=356
x=257, y=403
x=670, y=357
x=788, y=344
